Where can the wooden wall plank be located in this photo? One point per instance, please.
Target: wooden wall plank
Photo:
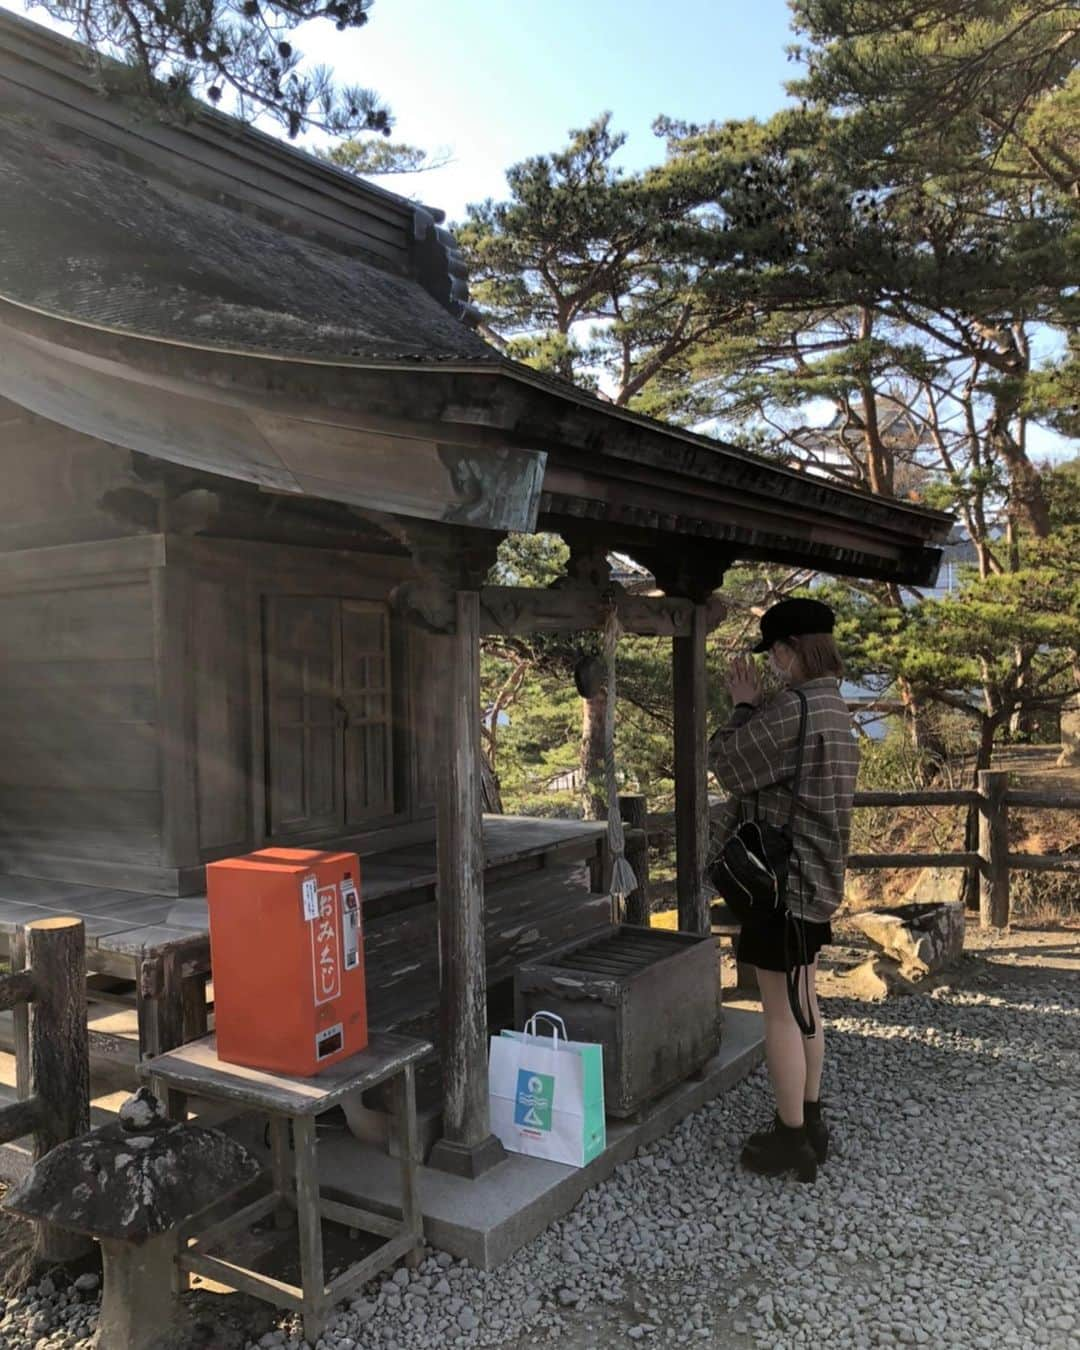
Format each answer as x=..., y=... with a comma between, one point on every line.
x=222, y=751
x=101, y=756
x=74, y=680
x=64, y=807
x=56, y=482
x=111, y=621
x=173, y=653
x=79, y=767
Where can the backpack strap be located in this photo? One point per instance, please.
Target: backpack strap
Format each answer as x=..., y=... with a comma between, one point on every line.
x=803, y=714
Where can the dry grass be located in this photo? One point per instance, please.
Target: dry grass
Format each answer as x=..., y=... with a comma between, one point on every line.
x=16, y=1250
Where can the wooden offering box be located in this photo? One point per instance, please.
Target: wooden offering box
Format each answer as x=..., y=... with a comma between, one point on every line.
x=650, y=997
x=288, y=959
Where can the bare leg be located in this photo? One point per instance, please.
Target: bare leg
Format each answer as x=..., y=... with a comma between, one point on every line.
x=784, y=1051
x=813, y=1046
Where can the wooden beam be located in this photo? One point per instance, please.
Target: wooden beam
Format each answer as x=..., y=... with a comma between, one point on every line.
x=946, y=797
x=867, y=862
x=691, y=775
x=468, y=1146
x=16, y=988
x=1044, y=862
x=19, y=1118
x=1051, y=801
x=553, y=609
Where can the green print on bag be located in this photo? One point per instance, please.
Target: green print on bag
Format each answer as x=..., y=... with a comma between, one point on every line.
x=535, y=1100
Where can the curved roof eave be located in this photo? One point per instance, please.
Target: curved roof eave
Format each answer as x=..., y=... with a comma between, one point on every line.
x=491, y=405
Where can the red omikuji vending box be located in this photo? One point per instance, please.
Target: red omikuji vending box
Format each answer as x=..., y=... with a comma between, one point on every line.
x=288, y=959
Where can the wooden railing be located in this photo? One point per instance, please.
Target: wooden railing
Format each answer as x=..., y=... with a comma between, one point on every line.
x=990, y=866
x=46, y=994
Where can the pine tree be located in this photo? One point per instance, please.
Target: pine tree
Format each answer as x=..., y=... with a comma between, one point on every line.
x=584, y=270
x=235, y=53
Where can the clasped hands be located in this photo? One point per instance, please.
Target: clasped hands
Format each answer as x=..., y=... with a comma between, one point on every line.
x=744, y=681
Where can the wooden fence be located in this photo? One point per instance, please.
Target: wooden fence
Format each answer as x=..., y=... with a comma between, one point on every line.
x=990, y=866
x=46, y=994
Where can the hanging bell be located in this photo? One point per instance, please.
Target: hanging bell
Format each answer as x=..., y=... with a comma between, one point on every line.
x=590, y=676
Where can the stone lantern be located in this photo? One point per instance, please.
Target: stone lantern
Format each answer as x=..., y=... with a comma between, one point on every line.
x=131, y=1185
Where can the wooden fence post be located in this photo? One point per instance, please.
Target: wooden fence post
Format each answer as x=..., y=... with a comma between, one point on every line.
x=59, y=1059
x=993, y=849
x=633, y=810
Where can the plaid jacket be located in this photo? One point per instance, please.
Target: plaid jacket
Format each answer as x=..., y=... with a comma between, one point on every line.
x=755, y=753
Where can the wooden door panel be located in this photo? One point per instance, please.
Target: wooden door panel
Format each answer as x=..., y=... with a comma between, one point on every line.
x=365, y=694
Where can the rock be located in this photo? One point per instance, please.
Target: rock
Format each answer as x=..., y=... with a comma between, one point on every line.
x=88, y=1284
x=876, y=979
x=922, y=938
x=142, y=1111
x=935, y=885
x=1070, y=732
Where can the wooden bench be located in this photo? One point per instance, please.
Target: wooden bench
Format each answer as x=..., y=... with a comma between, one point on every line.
x=292, y=1104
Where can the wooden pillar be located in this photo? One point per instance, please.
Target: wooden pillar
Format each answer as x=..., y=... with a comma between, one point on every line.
x=467, y=1147
x=993, y=849
x=160, y=1010
x=59, y=1056
x=691, y=775
x=633, y=810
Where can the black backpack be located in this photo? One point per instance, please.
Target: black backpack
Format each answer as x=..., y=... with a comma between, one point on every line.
x=750, y=872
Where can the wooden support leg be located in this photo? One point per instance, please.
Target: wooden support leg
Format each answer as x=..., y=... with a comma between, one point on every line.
x=194, y=1013
x=310, y=1221
x=280, y=1170
x=691, y=775
x=160, y=998
x=409, y=1143
x=468, y=1147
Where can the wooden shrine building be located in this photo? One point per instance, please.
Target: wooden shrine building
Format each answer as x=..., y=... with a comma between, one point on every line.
x=256, y=463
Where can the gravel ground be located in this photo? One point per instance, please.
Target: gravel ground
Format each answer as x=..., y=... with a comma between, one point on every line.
x=948, y=1215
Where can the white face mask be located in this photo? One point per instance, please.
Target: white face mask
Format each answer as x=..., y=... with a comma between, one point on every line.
x=781, y=672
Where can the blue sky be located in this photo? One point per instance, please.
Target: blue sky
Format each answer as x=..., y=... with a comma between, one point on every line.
x=496, y=80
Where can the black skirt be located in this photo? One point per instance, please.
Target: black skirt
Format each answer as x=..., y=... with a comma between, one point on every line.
x=766, y=945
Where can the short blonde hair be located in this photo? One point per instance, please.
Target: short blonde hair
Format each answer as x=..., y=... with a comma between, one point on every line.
x=818, y=655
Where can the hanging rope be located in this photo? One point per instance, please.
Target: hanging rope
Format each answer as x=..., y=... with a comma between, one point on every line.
x=623, y=880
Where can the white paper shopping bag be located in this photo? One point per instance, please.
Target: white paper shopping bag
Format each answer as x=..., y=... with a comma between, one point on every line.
x=547, y=1094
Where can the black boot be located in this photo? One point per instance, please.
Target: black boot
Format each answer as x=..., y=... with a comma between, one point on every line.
x=784, y=1148
x=816, y=1131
